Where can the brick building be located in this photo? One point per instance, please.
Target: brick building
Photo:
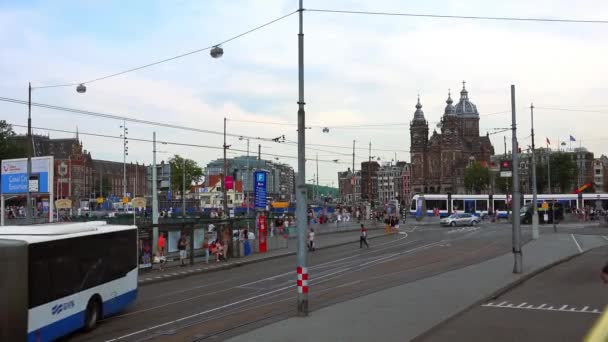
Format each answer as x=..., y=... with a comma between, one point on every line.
x=439, y=161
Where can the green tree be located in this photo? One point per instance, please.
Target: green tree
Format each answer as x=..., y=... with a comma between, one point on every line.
x=9, y=148
x=476, y=178
x=563, y=172
x=194, y=173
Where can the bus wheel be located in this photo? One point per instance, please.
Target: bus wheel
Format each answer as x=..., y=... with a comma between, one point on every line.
x=92, y=314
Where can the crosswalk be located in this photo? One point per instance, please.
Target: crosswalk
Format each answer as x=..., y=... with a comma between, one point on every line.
x=463, y=230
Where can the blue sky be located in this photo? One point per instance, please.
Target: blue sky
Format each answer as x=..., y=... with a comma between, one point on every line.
x=359, y=70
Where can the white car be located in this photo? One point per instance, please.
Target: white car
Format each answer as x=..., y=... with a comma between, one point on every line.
x=463, y=219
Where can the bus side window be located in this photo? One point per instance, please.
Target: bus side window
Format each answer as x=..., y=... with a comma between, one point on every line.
x=65, y=275
x=39, y=283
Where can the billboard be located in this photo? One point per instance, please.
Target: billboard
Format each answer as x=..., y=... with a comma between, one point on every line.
x=14, y=175
x=260, y=190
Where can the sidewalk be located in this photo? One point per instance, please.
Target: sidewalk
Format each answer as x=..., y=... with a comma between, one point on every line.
x=172, y=269
x=406, y=311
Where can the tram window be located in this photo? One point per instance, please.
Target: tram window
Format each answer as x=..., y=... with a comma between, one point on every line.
x=500, y=205
x=458, y=204
x=481, y=205
x=439, y=204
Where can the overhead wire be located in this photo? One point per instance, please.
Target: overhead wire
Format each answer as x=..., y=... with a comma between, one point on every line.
x=467, y=17
x=174, y=57
x=162, y=142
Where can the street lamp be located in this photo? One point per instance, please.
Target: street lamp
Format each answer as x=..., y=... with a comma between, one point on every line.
x=81, y=88
x=217, y=52
x=246, y=178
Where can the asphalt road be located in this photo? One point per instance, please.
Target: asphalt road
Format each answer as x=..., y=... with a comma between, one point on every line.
x=214, y=306
x=560, y=304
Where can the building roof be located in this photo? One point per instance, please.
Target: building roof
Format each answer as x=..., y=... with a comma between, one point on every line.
x=465, y=107
x=419, y=114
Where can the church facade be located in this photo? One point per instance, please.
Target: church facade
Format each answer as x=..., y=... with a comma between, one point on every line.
x=439, y=160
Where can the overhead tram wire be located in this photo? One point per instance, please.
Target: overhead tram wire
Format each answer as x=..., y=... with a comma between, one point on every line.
x=173, y=143
x=124, y=118
x=174, y=57
x=464, y=17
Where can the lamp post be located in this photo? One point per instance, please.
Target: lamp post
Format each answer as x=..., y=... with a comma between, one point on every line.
x=125, y=153
x=534, y=186
x=246, y=178
x=301, y=200
x=81, y=88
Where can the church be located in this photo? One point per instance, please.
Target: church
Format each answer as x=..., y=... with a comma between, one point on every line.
x=439, y=161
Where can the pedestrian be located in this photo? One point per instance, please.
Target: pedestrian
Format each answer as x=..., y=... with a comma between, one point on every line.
x=604, y=274
x=363, y=238
x=181, y=246
x=206, y=249
x=311, y=240
x=161, y=250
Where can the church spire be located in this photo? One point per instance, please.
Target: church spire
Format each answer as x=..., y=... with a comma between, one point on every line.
x=449, y=109
x=464, y=94
x=419, y=114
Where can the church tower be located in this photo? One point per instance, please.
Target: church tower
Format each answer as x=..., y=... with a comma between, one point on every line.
x=419, y=135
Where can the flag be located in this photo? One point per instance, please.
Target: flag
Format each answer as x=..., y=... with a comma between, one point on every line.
x=572, y=138
x=548, y=142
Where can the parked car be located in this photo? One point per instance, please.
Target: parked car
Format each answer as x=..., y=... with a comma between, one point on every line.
x=463, y=219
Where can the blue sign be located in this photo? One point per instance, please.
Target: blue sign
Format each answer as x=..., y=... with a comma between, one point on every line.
x=259, y=190
x=14, y=175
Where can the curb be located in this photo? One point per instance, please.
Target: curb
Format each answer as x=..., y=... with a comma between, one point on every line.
x=160, y=277
x=497, y=293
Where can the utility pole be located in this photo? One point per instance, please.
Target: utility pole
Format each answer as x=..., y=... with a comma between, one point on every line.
x=124, y=158
x=259, y=156
x=247, y=179
x=184, y=187
x=353, y=157
x=301, y=196
x=534, y=186
x=317, y=183
x=224, y=173
x=154, y=196
x=30, y=147
x=369, y=174
x=517, y=267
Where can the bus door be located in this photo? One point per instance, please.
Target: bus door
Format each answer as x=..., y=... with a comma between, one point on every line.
x=469, y=206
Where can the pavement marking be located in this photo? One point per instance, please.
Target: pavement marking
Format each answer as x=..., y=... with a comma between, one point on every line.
x=605, y=238
x=580, y=250
x=542, y=307
x=198, y=314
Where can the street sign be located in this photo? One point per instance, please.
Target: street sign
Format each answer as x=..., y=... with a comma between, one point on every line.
x=138, y=202
x=494, y=167
x=99, y=200
x=63, y=204
x=545, y=205
x=506, y=174
x=505, y=165
x=125, y=200
x=229, y=182
x=260, y=200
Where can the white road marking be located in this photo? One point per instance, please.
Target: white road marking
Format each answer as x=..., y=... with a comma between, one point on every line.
x=580, y=250
x=605, y=238
x=199, y=314
x=542, y=307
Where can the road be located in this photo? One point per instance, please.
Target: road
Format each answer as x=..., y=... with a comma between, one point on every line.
x=215, y=306
x=560, y=304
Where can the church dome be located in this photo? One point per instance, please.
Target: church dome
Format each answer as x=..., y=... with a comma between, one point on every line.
x=465, y=107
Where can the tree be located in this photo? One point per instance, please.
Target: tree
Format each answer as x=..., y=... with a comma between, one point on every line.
x=476, y=177
x=563, y=172
x=194, y=173
x=9, y=148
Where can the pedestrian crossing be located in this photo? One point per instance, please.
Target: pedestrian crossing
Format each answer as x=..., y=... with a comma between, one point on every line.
x=463, y=230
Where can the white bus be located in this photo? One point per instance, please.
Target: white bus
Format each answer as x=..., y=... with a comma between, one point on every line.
x=59, y=278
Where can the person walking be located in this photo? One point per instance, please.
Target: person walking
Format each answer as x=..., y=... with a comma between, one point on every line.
x=181, y=246
x=161, y=250
x=363, y=237
x=311, y=240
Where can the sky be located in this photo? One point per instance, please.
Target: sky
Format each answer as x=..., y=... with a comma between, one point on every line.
x=359, y=70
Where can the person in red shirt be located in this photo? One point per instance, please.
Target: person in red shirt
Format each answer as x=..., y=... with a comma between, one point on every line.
x=161, y=249
x=363, y=238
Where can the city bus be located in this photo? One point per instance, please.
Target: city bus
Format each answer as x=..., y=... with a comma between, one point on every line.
x=59, y=278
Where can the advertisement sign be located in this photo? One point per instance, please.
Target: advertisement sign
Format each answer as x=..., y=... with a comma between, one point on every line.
x=262, y=232
x=14, y=175
x=259, y=189
x=63, y=203
x=138, y=202
x=229, y=182
x=145, y=249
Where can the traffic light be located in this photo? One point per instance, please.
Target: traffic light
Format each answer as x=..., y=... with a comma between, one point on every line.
x=505, y=165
